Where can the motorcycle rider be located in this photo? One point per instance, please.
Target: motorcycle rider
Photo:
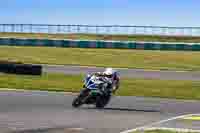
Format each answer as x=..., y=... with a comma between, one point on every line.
x=107, y=82
x=110, y=76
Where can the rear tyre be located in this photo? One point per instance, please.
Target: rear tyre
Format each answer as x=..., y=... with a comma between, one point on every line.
x=100, y=103
x=107, y=99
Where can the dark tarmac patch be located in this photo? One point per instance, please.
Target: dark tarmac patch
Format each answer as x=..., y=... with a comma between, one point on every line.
x=52, y=130
x=129, y=73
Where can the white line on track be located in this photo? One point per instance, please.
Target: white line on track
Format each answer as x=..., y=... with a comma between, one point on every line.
x=173, y=129
x=157, y=123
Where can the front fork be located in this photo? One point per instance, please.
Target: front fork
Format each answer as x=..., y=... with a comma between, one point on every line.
x=84, y=95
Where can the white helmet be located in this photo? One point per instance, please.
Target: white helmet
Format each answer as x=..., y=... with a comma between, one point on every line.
x=109, y=71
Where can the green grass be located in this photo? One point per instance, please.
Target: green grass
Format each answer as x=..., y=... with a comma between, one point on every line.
x=49, y=82
x=160, y=131
x=157, y=60
x=129, y=87
x=105, y=37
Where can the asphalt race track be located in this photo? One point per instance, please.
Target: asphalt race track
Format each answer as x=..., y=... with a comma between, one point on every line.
x=43, y=112
x=131, y=73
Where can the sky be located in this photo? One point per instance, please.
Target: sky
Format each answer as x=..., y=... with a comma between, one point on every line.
x=102, y=12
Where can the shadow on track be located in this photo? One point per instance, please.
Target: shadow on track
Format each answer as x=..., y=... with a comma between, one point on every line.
x=121, y=109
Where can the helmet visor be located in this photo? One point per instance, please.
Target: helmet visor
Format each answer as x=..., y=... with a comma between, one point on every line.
x=109, y=76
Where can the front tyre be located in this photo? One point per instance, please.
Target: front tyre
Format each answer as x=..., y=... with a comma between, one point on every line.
x=76, y=102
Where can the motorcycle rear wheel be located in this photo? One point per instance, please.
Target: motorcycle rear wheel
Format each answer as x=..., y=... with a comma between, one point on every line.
x=101, y=102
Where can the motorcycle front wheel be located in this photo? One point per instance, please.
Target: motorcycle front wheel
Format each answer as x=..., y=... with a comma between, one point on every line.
x=77, y=102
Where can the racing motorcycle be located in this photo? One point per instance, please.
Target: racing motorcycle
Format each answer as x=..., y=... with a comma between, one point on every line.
x=94, y=92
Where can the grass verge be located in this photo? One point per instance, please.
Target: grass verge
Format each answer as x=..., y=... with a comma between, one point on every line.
x=157, y=60
x=161, y=131
x=193, y=118
x=129, y=87
x=147, y=38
